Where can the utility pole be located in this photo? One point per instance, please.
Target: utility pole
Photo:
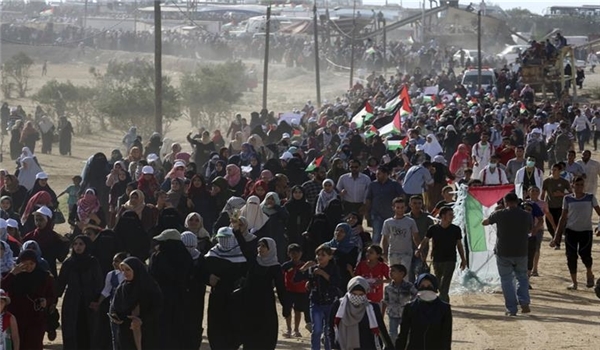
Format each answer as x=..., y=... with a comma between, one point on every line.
x=157, y=68
x=479, y=50
x=317, y=71
x=266, y=64
x=135, y=11
x=384, y=48
x=352, y=43
x=85, y=8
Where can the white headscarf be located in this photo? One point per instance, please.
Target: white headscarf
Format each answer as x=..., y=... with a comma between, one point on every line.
x=254, y=214
x=29, y=169
x=432, y=148
x=271, y=258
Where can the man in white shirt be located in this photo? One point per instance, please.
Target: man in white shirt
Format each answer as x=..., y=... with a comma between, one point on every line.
x=549, y=128
x=580, y=124
x=482, y=153
x=592, y=171
x=353, y=189
x=596, y=124
x=492, y=174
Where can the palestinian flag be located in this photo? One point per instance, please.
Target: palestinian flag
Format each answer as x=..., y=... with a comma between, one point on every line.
x=366, y=113
x=472, y=102
x=438, y=107
x=314, y=164
x=479, y=203
x=458, y=98
x=522, y=108
x=395, y=126
x=371, y=132
x=429, y=99
x=393, y=145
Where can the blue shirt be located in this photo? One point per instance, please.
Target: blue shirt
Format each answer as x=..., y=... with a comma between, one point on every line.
x=416, y=179
x=381, y=196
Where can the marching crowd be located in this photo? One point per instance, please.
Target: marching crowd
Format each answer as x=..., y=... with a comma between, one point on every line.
x=277, y=214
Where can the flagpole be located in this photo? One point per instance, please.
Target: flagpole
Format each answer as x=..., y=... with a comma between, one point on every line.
x=266, y=63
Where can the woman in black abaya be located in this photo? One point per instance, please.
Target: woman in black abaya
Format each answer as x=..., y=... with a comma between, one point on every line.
x=137, y=304
x=81, y=281
x=258, y=298
x=65, y=134
x=131, y=235
x=170, y=266
x=94, y=176
x=300, y=213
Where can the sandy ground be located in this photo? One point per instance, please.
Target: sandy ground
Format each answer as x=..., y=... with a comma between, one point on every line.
x=560, y=319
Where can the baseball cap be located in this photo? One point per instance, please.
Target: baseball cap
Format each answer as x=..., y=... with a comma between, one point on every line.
x=224, y=232
x=41, y=176
x=44, y=210
x=12, y=223
x=148, y=170
x=152, y=157
x=286, y=156
x=168, y=235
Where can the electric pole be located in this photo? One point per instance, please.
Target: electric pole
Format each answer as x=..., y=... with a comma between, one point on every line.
x=157, y=68
x=352, y=43
x=317, y=71
x=266, y=64
x=479, y=50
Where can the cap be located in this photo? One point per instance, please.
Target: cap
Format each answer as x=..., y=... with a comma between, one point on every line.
x=224, y=232
x=179, y=165
x=148, y=170
x=44, y=210
x=286, y=156
x=41, y=176
x=12, y=223
x=152, y=157
x=4, y=295
x=168, y=235
x=285, y=136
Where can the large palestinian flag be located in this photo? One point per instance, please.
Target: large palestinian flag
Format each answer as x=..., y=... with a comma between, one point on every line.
x=472, y=207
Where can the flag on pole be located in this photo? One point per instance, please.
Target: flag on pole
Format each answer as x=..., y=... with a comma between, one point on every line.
x=429, y=98
x=393, y=145
x=371, y=132
x=366, y=113
x=522, y=108
x=314, y=164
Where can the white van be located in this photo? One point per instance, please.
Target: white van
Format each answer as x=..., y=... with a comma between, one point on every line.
x=488, y=77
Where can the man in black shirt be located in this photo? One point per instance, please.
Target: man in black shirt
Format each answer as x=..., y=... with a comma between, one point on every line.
x=446, y=239
x=513, y=225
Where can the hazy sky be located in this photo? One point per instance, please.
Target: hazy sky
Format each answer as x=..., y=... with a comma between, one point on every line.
x=537, y=6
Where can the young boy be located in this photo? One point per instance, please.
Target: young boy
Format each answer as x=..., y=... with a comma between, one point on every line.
x=534, y=196
x=297, y=298
x=399, y=233
x=10, y=329
x=324, y=280
x=448, y=201
x=72, y=191
x=396, y=295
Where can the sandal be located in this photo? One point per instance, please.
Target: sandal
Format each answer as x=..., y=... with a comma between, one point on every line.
x=590, y=282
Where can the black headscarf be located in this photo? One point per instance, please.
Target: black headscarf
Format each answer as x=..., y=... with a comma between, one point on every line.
x=26, y=283
x=130, y=294
x=131, y=235
x=81, y=262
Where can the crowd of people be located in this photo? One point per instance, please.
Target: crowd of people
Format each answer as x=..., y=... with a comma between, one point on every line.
x=274, y=212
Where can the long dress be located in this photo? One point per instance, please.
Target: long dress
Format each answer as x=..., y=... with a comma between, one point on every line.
x=82, y=281
x=15, y=143
x=259, y=313
x=65, y=134
x=22, y=288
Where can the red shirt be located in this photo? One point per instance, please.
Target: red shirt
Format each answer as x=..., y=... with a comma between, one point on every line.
x=289, y=271
x=371, y=274
x=505, y=153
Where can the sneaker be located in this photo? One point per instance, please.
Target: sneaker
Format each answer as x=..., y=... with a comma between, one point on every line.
x=297, y=334
x=590, y=282
x=525, y=309
x=52, y=335
x=308, y=327
x=287, y=334
x=510, y=313
x=572, y=287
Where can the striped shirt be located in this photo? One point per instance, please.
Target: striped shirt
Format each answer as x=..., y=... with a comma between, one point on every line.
x=579, y=211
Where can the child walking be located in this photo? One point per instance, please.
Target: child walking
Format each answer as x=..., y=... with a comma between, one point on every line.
x=375, y=271
x=10, y=330
x=297, y=297
x=72, y=191
x=113, y=279
x=324, y=278
x=396, y=295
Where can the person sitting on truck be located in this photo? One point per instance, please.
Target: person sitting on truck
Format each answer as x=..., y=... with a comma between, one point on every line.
x=560, y=41
x=551, y=50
